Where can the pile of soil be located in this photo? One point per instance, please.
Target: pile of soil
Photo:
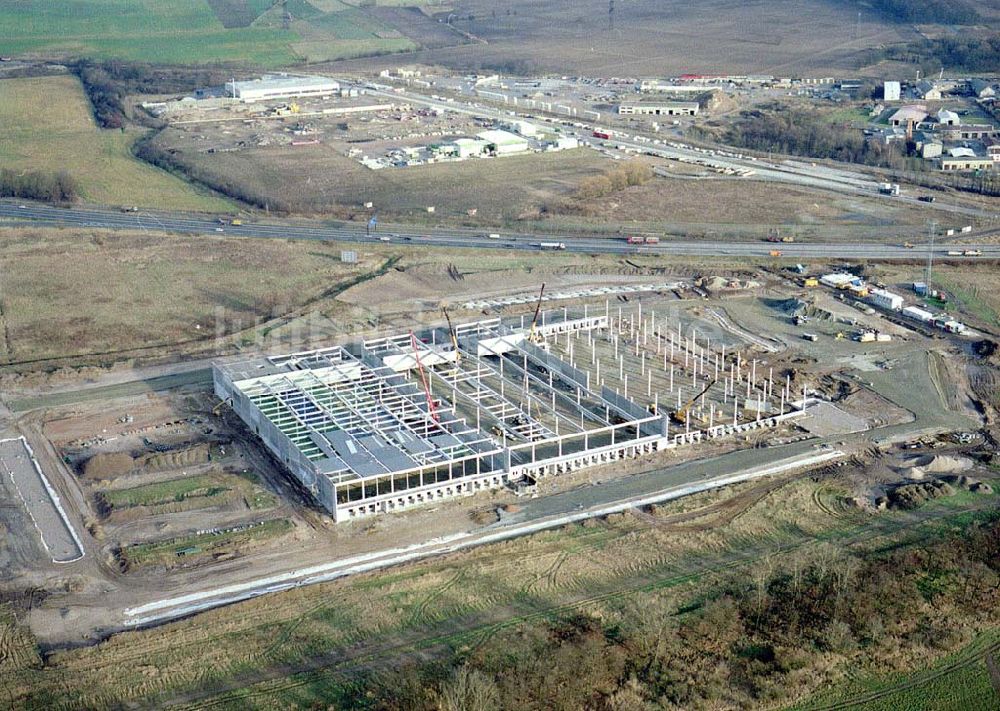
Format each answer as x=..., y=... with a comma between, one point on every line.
x=912, y=496
x=942, y=463
x=110, y=465
x=969, y=484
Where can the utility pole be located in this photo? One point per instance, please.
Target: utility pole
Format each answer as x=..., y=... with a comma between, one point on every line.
x=932, y=228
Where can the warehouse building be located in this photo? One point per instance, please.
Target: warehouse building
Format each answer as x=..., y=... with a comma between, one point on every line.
x=503, y=143
x=404, y=420
x=673, y=108
x=282, y=86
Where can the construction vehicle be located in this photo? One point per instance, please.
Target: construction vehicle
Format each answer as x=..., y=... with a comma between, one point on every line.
x=532, y=333
x=218, y=408
x=680, y=416
x=454, y=336
x=431, y=407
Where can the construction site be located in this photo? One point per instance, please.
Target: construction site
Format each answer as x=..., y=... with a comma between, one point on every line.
x=394, y=422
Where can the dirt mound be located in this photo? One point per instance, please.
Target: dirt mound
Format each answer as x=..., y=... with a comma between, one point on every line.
x=717, y=102
x=914, y=473
x=176, y=458
x=969, y=484
x=108, y=465
x=942, y=463
x=912, y=496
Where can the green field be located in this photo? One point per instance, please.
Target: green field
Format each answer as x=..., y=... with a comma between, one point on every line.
x=187, y=493
x=188, y=31
x=174, y=551
x=46, y=124
x=958, y=681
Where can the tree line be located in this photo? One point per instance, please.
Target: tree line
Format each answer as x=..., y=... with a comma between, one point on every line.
x=802, y=133
x=108, y=82
x=38, y=185
x=959, y=53
x=946, y=12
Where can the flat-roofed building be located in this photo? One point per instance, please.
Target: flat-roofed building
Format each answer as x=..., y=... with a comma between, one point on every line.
x=282, y=86
x=672, y=108
x=955, y=164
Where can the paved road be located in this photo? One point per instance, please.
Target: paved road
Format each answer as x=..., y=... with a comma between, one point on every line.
x=462, y=239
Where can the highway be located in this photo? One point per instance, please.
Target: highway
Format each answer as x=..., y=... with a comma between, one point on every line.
x=456, y=238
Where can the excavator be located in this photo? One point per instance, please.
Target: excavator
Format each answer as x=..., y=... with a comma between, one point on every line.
x=218, y=408
x=680, y=416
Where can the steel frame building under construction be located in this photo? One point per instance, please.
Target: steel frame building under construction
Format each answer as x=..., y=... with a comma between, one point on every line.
x=399, y=421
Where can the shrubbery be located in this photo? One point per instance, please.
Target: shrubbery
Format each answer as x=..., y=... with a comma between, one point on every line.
x=38, y=185
x=107, y=83
x=630, y=173
x=960, y=53
x=946, y=12
x=766, y=638
x=799, y=132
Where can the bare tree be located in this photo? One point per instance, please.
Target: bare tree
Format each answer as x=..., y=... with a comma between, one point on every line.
x=469, y=690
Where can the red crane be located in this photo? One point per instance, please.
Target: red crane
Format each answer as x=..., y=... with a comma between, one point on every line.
x=431, y=407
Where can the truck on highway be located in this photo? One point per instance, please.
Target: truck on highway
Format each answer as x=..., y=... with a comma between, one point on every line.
x=493, y=235
x=972, y=253
x=889, y=189
x=552, y=245
x=775, y=253
x=642, y=239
